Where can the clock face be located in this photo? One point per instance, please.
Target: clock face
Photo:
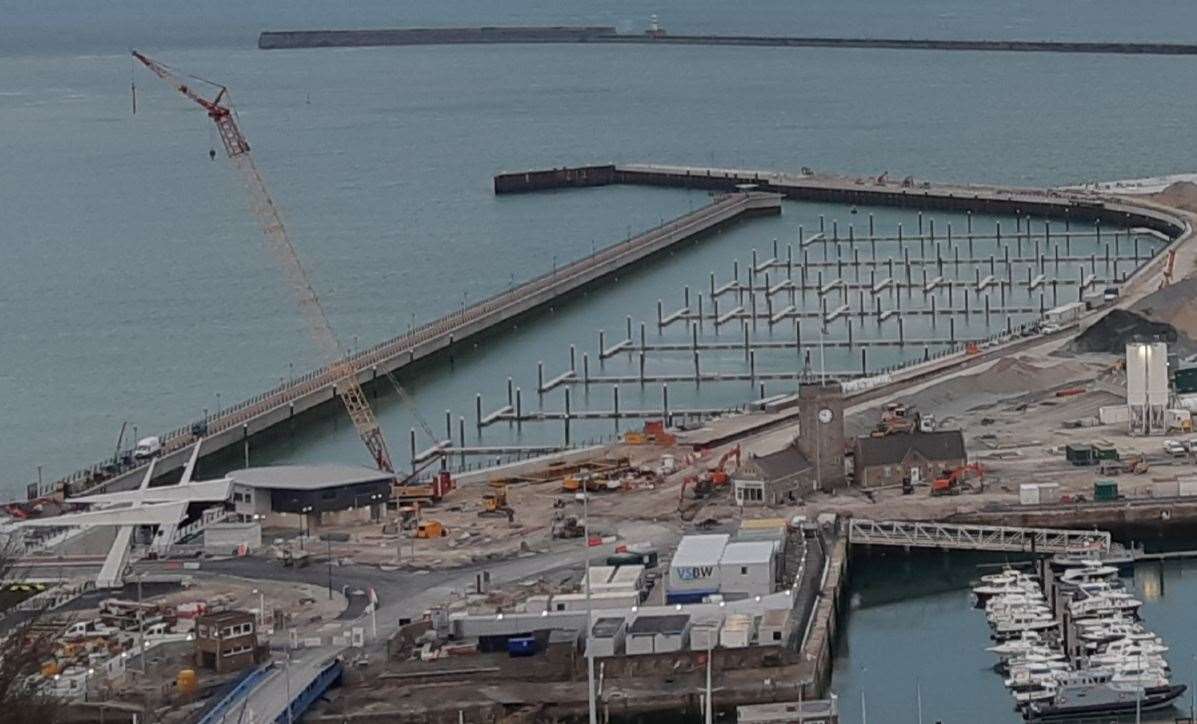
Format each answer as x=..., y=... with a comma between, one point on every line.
x=825, y=415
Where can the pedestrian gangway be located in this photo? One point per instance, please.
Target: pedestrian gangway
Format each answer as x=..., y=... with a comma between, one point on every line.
x=922, y=534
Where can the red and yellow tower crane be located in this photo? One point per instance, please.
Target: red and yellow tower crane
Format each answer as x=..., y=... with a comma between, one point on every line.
x=220, y=109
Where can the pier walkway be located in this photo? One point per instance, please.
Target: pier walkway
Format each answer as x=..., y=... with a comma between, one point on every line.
x=919, y=534
x=238, y=422
x=1041, y=203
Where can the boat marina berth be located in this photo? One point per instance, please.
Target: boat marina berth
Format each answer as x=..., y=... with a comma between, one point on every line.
x=1070, y=645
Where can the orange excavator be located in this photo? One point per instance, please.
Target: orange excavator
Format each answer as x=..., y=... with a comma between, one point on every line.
x=708, y=480
x=949, y=482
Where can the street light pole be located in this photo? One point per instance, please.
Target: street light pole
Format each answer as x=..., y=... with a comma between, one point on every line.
x=589, y=612
x=329, y=541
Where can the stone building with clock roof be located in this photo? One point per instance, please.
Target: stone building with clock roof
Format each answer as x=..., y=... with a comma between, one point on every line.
x=814, y=460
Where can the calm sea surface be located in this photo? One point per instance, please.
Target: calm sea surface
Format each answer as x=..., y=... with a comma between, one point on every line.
x=134, y=287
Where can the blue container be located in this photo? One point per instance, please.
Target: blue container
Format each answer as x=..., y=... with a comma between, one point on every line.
x=521, y=646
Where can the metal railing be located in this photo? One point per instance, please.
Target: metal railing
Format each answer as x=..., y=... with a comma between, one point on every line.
x=918, y=534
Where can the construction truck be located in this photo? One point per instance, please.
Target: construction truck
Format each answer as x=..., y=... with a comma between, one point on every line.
x=950, y=482
x=430, y=492
x=568, y=528
x=431, y=529
x=494, y=504
x=653, y=433
x=897, y=418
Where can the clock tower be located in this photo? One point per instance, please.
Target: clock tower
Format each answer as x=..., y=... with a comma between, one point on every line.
x=821, y=432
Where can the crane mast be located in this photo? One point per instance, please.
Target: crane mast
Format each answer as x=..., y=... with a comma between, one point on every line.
x=220, y=110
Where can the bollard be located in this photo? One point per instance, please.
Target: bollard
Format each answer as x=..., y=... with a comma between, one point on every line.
x=565, y=418
x=461, y=438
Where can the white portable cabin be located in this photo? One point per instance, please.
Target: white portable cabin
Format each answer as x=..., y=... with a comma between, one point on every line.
x=658, y=633
x=598, y=601
x=775, y=627
x=748, y=569
x=704, y=631
x=738, y=631
x=694, y=570
x=607, y=636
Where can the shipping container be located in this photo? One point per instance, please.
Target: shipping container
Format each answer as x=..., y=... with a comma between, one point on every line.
x=1028, y=494
x=1078, y=454
x=1169, y=489
x=1114, y=414
x=1186, y=380
x=1105, y=451
x=1049, y=493
x=1105, y=490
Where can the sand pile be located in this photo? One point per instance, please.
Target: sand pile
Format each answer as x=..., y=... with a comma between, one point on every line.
x=1008, y=377
x=1173, y=305
x=1112, y=332
x=1182, y=195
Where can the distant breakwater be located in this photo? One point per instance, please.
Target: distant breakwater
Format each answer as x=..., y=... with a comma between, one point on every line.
x=275, y=40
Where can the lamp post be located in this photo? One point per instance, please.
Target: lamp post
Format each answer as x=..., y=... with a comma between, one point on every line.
x=304, y=525
x=329, y=541
x=261, y=607
x=589, y=612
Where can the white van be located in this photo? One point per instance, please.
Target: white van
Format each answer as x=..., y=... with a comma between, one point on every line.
x=147, y=447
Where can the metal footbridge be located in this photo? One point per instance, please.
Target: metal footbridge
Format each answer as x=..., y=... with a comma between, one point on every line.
x=920, y=534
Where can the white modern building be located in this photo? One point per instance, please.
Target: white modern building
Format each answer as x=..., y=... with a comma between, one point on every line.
x=748, y=569
x=694, y=571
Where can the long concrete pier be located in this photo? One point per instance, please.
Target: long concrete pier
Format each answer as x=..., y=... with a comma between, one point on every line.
x=1040, y=203
x=280, y=39
x=237, y=423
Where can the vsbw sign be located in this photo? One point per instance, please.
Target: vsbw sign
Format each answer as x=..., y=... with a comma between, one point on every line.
x=694, y=573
